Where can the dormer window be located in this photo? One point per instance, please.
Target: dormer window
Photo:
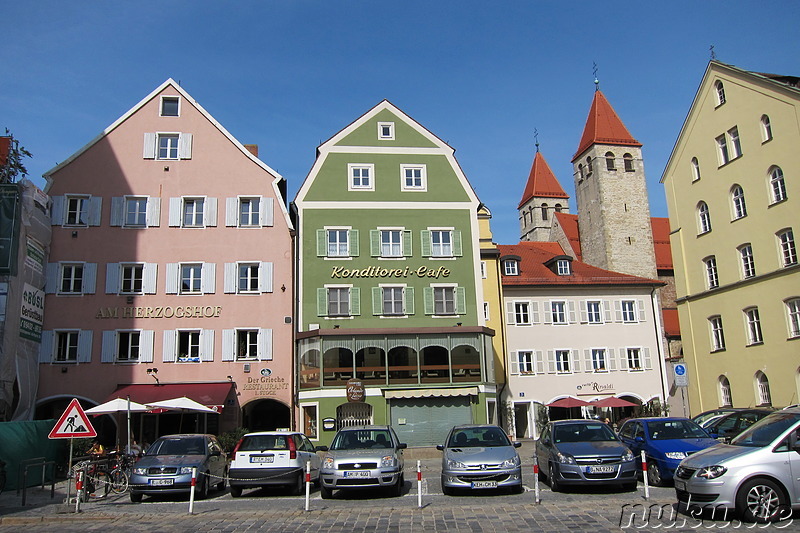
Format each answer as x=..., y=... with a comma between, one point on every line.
x=511, y=267
x=563, y=267
x=386, y=131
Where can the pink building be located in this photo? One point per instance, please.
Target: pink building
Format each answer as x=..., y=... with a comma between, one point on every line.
x=170, y=273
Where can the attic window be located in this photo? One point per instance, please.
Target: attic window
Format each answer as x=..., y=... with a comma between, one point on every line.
x=511, y=267
x=386, y=131
x=170, y=106
x=563, y=267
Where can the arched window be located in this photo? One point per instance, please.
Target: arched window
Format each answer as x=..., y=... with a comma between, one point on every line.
x=793, y=316
x=544, y=211
x=777, y=185
x=725, y=398
x=787, y=247
x=766, y=128
x=703, y=218
x=580, y=172
x=738, y=206
x=589, y=166
x=695, y=169
x=558, y=208
x=762, y=389
x=610, y=161
x=720, y=93
x=524, y=219
x=628, y=161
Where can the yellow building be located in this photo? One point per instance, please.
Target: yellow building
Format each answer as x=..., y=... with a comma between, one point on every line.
x=733, y=198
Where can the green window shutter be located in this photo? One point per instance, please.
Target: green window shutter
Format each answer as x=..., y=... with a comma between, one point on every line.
x=457, y=243
x=407, y=252
x=322, y=302
x=374, y=243
x=427, y=296
x=425, y=243
x=408, y=300
x=377, y=301
x=352, y=242
x=322, y=243
x=355, y=301
x=461, y=301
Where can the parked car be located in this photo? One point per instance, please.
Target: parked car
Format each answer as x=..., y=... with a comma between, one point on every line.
x=665, y=441
x=584, y=452
x=725, y=427
x=166, y=466
x=705, y=416
x=363, y=457
x=756, y=474
x=480, y=457
x=270, y=458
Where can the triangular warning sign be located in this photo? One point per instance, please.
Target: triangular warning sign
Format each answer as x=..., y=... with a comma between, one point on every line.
x=73, y=423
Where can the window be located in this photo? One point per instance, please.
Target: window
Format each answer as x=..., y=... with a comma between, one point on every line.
x=131, y=278
x=738, y=204
x=599, y=360
x=249, y=212
x=788, y=250
x=193, y=212
x=414, y=177
x=135, y=212
x=695, y=169
x=170, y=106
x=729, y=146
x=525, y=362
x=558, y=208
x=726, y=400
x=168, y=145
x=337, y=243
x=563, y=362
x=485, y=311
x=563, y=267
x=511, y=267
x=522, y=315
x=246, y=344
x=628, y=310
x=722, y=147
x=766, y=128
x=610, y=161
x=386, y=131
x=248, y=278
x=580, y=172
x=711, y=272
x=361, y=177
x=71, y=279
x=559, y=312
x=753, y=326
x=191, y=278
x=793, y=315
x=594, y=312
x=720, y=93
x=634, y=359
x=627, y=159
x=762, y=385
x=444, y=301
x=544, y=211
x=189, y=346
x=391, y=243
x=128, y=343
x=441, y=243
x=66, y=347
x=703, y=218
x=736, y=143
x=339, y=301
x=392, y=298
x=748, y=264
x=777, y=185
x=589, y=167
x=717, y=333
x=77, y=211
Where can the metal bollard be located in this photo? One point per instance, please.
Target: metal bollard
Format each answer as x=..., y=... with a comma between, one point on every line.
x=191, y=492
x=419, y=484
x=79, y=490
x=537, y=494
x=308, y=485
x=644, y=477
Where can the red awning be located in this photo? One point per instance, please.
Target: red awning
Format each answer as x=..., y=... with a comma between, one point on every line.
x=212, y=395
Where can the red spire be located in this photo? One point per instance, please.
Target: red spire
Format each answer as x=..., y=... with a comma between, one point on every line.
x=603, y=126
x=541, y=182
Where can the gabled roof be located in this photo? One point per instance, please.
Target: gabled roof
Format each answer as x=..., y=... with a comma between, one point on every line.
x=569, y=225
x=542, y=183
x=603, y=126
x=533, y=269
x=660, y=227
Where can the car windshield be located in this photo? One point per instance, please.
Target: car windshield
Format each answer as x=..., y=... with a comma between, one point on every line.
x=253, y=443
x=176, y=446
x=478, y=437
x=582, y=433
x=675, y=429
x=362, y=439
x=766, y=430
x=705, y=417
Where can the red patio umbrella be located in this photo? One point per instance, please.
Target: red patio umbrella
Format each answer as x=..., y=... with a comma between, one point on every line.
x=613, y=401
x=568, y=402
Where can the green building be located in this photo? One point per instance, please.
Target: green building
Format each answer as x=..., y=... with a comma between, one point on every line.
x=390, y=319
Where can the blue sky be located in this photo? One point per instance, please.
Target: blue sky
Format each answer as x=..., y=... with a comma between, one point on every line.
x=288, y=74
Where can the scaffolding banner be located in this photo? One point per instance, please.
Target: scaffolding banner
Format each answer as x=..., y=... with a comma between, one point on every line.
x=9, y=227
x=32, y=313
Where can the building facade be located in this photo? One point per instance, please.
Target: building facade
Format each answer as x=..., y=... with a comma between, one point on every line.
x=390, y=323
x=170, y=273
x=731, y=206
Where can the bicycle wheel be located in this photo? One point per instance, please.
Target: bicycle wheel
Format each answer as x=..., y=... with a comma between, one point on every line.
x=119, y=481
x=100, y=484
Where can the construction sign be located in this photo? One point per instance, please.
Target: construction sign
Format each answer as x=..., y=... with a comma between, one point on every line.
x=73, y=424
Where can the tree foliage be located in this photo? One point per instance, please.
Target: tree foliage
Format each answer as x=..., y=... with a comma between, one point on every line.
x=14, y=166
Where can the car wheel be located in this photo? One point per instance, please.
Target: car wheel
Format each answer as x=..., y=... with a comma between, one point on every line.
x=221, y=485
x=325, y=492
x=517, y=489
x=136, y=497
x=762, y=501
x=555, y=486
x=236, y=491
x=633, y=485
x=202, y=487
x=299, y=484
x=397, y=488
x=654, y=475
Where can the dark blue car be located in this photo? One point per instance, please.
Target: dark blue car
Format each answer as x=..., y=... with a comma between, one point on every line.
x=665, y=441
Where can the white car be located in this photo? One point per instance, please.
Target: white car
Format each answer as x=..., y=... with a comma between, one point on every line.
x=270, y=458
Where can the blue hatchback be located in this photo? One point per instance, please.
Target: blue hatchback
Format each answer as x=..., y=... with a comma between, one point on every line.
x=665, y=441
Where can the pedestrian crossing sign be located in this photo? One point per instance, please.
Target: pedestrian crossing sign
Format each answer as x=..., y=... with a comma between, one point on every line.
x=73, y=424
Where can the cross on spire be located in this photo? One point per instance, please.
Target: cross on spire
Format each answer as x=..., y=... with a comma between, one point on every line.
x=536, y=137
x=596, y=81
x=713, y=53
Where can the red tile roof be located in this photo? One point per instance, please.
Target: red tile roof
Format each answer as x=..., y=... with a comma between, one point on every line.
x=569, y=223
x=541, y=182
x=672, y=327
x=661, y=243
x=532, y=269
x=603, y=126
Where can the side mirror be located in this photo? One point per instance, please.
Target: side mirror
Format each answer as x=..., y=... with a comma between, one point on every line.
x=321, y=449
x=639, y=439
x=402, y=446
x=517, y=444
x=440, y=447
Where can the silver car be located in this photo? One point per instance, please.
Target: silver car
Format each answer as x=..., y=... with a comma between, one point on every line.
x=480, y=457
x=758, y=473
x=363, y=457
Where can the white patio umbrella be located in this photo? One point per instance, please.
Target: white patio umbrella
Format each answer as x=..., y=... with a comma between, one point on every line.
x=119, y=405
x=181, y=405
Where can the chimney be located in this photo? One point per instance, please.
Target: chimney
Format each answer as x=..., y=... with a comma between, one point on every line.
x=252, y=148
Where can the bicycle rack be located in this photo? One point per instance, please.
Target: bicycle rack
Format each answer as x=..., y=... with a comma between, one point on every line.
x=34, y=463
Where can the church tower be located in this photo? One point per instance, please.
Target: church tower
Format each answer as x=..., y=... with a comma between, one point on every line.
x=611, y=195
x=543, y=196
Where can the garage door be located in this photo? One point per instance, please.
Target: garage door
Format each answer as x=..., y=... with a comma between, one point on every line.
x=426, y=421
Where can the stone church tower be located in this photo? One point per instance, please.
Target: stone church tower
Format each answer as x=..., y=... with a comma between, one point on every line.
x=611, y=195
x=543, y=196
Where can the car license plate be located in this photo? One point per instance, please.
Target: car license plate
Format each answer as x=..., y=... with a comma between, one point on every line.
x=680, y=484
x=262, y=458
x=484, y=484
x=602, y=469
x=356, y=473
x=161, y=482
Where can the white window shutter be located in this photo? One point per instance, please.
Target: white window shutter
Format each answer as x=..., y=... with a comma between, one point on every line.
x=539, y=362
x=646, y=358
x=551, y=362
x=185, y=146
x=571, y=312
x=46, y=347
x=153, y=212
x=149, y=277
x=229, y=278
x=208, y=278
x=268, y=211
x=584, y=312
x=511, y=315
x=576, y=361
x=175, y=205
x=623, y=359
x=89, y=278
x=211, y=212
x=169, y=346
x=173, y=278
x=607, y=311
x=109, y=348
x=265, y=345
x=149, y=151
x=95, y=210
x=641, y=315
x=207, y=345
x=228, y=344
x=117, y=210
x=611, y=360
x=231, y=212
x=146, y=345
x=587, y=360
x=85, y=346
x=534, y=308
x=112, y=278
x=265, y=275
x=52, y=275
x=512, y=358
x=57, y=211
x=617, y=311
x=548, y=313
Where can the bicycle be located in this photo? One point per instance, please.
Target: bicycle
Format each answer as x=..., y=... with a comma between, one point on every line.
x=96, y=480
x=123, y=464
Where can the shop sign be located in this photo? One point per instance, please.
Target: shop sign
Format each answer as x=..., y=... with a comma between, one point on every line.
x=188, y=311
x=355, y=390
x=593, y=387
x=265, y=385
x=31, y=313
x=340, y=272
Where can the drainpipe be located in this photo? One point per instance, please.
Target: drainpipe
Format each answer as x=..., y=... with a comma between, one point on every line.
x=658, y=327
